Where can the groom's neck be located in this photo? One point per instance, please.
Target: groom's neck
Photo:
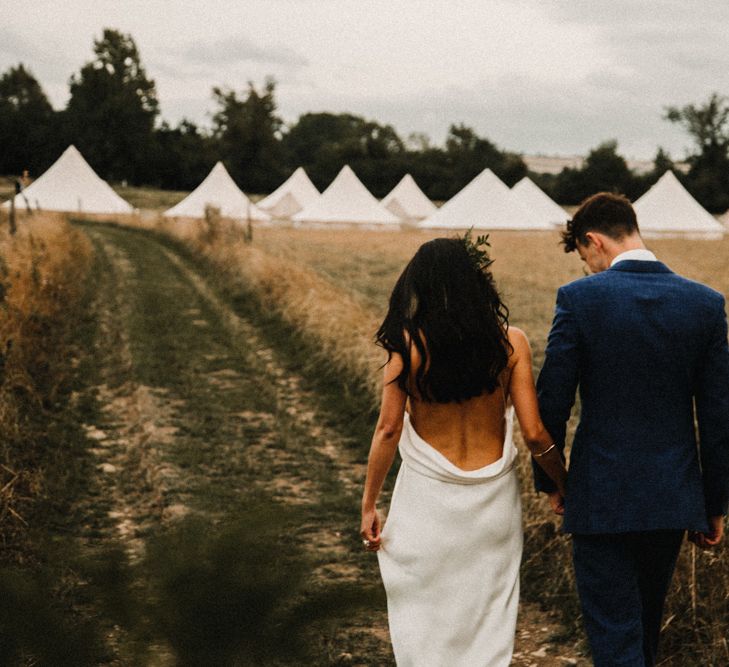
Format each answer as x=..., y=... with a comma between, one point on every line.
x=618, y=247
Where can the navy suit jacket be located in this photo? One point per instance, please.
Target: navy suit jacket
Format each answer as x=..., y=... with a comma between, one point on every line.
x=648, y=350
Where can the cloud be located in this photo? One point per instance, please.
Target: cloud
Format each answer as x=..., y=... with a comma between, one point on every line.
x=45, y=59
x=518, y=113
x=530, y=75
x=239, y=49
x=14, y=45
x=668, y=46
x=629, y=13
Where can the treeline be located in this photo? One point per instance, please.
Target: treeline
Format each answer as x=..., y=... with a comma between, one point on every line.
x=112, y=116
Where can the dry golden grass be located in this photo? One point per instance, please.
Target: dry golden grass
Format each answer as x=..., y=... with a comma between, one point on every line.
x=7, y=187
x=42, y=270
x=333, y=286
x=529, y=268
x=342, y=325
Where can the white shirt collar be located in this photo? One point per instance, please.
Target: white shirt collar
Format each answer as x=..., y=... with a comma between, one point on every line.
x=641, y=254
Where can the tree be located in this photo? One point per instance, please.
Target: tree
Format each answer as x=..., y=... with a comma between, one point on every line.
x=324, y=142
x=183, y=156
x=433, y=171
x=112, y=110
x=662, y=162
x=248, y=133
x=604, y=170
x=470, y=154
x=708, y=126
x=27, y=124
x=418, y=141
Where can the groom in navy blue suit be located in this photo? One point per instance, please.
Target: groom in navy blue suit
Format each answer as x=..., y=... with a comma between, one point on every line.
x=650, y=459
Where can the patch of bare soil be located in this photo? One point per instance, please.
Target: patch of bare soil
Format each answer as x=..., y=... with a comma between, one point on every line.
x=136, y=425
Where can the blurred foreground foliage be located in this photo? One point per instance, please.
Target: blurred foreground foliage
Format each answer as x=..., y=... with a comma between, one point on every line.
x=234, y=593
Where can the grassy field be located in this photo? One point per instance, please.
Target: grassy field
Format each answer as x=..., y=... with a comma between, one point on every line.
x=297, y=273
x=207, y=512
x=529, y=267
x=7, y=187
x=42, y=282
x=211, y=368
x=150, y=199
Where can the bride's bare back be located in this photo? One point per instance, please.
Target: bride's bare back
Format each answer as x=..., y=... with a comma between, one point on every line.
x=470, y=434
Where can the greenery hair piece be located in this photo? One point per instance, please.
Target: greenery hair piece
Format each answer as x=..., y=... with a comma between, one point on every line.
x=477, y=250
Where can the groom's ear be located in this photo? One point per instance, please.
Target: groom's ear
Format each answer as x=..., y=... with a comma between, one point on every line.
x=595, y=239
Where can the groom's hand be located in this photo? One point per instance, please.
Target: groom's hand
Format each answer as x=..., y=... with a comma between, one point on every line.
x=556, y=500
x=713, y=537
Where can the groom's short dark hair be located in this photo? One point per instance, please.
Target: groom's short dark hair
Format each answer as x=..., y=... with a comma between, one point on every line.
x=605, y=212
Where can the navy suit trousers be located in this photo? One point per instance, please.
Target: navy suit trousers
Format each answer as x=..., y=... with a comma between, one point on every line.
x=622, y=580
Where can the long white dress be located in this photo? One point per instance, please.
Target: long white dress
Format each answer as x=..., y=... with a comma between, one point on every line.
x=450, y=556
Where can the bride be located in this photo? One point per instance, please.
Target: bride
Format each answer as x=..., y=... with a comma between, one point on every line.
x=450, y=551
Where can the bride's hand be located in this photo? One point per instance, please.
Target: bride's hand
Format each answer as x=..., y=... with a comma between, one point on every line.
x=370, y=529
x=556, y=500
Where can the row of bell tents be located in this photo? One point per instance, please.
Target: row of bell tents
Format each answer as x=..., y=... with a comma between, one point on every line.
x=71, y=185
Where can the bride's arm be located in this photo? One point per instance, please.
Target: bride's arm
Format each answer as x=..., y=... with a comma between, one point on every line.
x=382, y=451
x=524, y=396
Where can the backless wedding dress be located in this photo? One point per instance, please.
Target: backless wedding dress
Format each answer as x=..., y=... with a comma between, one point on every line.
x=450, y=556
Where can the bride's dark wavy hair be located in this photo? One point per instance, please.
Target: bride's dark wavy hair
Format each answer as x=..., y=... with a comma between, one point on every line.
x=449, y=308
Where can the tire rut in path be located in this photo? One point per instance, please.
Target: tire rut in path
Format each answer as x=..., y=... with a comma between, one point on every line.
x=154, y=432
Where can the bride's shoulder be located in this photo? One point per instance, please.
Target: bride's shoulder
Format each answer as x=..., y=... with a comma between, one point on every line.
x=519, y=343
x=517, y=335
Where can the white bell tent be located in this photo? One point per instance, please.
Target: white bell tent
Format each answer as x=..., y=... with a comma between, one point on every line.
x=668, y=208
x=407, y=201
x=485, y=203
x=346, y=201
x=220, y=191
x=292, y=196
x=71, y=185
x=539, y=202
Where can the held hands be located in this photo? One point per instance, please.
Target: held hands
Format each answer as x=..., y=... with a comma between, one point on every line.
x=713, y=537
x=370, y=529
x=556, y=500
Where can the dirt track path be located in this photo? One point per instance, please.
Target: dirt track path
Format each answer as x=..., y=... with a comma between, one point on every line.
x=196, y=409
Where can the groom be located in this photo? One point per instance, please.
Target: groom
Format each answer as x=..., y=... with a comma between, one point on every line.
x=648, y=350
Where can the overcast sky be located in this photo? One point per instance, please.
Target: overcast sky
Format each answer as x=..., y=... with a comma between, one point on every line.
x=535, y=76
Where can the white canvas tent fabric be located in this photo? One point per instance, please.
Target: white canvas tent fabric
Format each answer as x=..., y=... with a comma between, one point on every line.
x=295, y=194
x=668, y=208
x=346, y=201
x=485, y=203
x=218, y=190
x=71, y=185
x=285, y=207
x=536, y=200
x=407, y=200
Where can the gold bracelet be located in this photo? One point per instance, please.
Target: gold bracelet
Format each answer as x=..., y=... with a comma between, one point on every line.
x=546, y=451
